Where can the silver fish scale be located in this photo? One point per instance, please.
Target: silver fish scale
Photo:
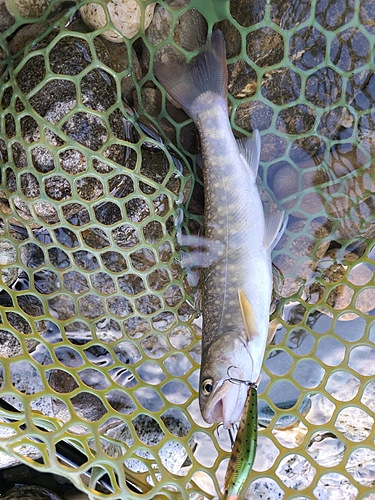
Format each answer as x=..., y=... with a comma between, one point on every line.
x=228, y=200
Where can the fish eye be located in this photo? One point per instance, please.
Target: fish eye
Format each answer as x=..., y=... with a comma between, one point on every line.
x=207, y=387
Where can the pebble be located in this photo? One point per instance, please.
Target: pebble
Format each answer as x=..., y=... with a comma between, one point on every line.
x=31, y=493
x=172, y=454
x=6, y=18
x=125, y=16
x=7, y=253
x=2, y=57
x=28, y=8
x=285, y=185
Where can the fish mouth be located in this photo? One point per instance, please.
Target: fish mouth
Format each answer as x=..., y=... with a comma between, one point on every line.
x=227, y=404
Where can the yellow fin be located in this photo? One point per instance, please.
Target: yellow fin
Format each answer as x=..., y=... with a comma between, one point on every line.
x=248, y=316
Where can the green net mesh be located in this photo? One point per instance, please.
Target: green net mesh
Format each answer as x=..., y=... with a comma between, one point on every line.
x=99, y=343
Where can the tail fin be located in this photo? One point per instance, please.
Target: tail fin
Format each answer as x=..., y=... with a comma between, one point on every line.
x=208, y=73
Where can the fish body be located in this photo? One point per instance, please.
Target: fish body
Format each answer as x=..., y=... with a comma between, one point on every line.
x=237, y=277
x=244, y=448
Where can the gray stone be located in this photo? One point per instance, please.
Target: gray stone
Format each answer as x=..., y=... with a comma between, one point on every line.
x=28, y=8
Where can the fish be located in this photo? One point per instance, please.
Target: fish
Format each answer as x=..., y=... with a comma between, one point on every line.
x=237, y=275
x=244, y=448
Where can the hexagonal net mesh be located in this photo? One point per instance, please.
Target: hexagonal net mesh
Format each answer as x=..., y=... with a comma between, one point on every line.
x=99, y=350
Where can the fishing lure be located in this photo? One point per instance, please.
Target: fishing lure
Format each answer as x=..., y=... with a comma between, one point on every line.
x=244, y=448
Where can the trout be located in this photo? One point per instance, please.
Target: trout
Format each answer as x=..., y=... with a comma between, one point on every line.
x=237, y=276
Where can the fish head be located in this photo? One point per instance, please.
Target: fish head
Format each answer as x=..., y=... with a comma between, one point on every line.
x=220, y=399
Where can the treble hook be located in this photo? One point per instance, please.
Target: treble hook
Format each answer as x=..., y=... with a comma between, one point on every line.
x=230, y=432
x=233, y=380
x=231, y=438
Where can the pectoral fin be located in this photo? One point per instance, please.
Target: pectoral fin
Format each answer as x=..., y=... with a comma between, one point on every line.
x=272, y=327
x=275, y=226
x=202, y=252
x=248, y=316
x=250, y=151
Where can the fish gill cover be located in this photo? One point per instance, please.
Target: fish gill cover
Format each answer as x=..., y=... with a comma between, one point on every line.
x=98, y=349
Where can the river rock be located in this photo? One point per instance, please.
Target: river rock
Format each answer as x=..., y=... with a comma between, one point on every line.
x=242, y=80
x=265, y=47
x=31, y=493
x=6, y=19
x=118, y=53
x=28, y=8
x=125, y=15
x=253, y=115
x=149, y=432
x=285, y=185
x=233, y=43
x=300, y=260
x=247, y=13
x=190, y=31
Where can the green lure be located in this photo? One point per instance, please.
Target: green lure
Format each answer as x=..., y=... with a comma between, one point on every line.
x=244, y=448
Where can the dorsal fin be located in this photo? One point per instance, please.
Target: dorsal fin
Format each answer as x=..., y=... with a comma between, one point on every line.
x=248, y=316
x=250, y=151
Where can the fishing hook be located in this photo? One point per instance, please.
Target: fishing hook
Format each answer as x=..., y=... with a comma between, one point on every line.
x=233, y=380
x=230, y=431
x=217, y=429
x=231, y=438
